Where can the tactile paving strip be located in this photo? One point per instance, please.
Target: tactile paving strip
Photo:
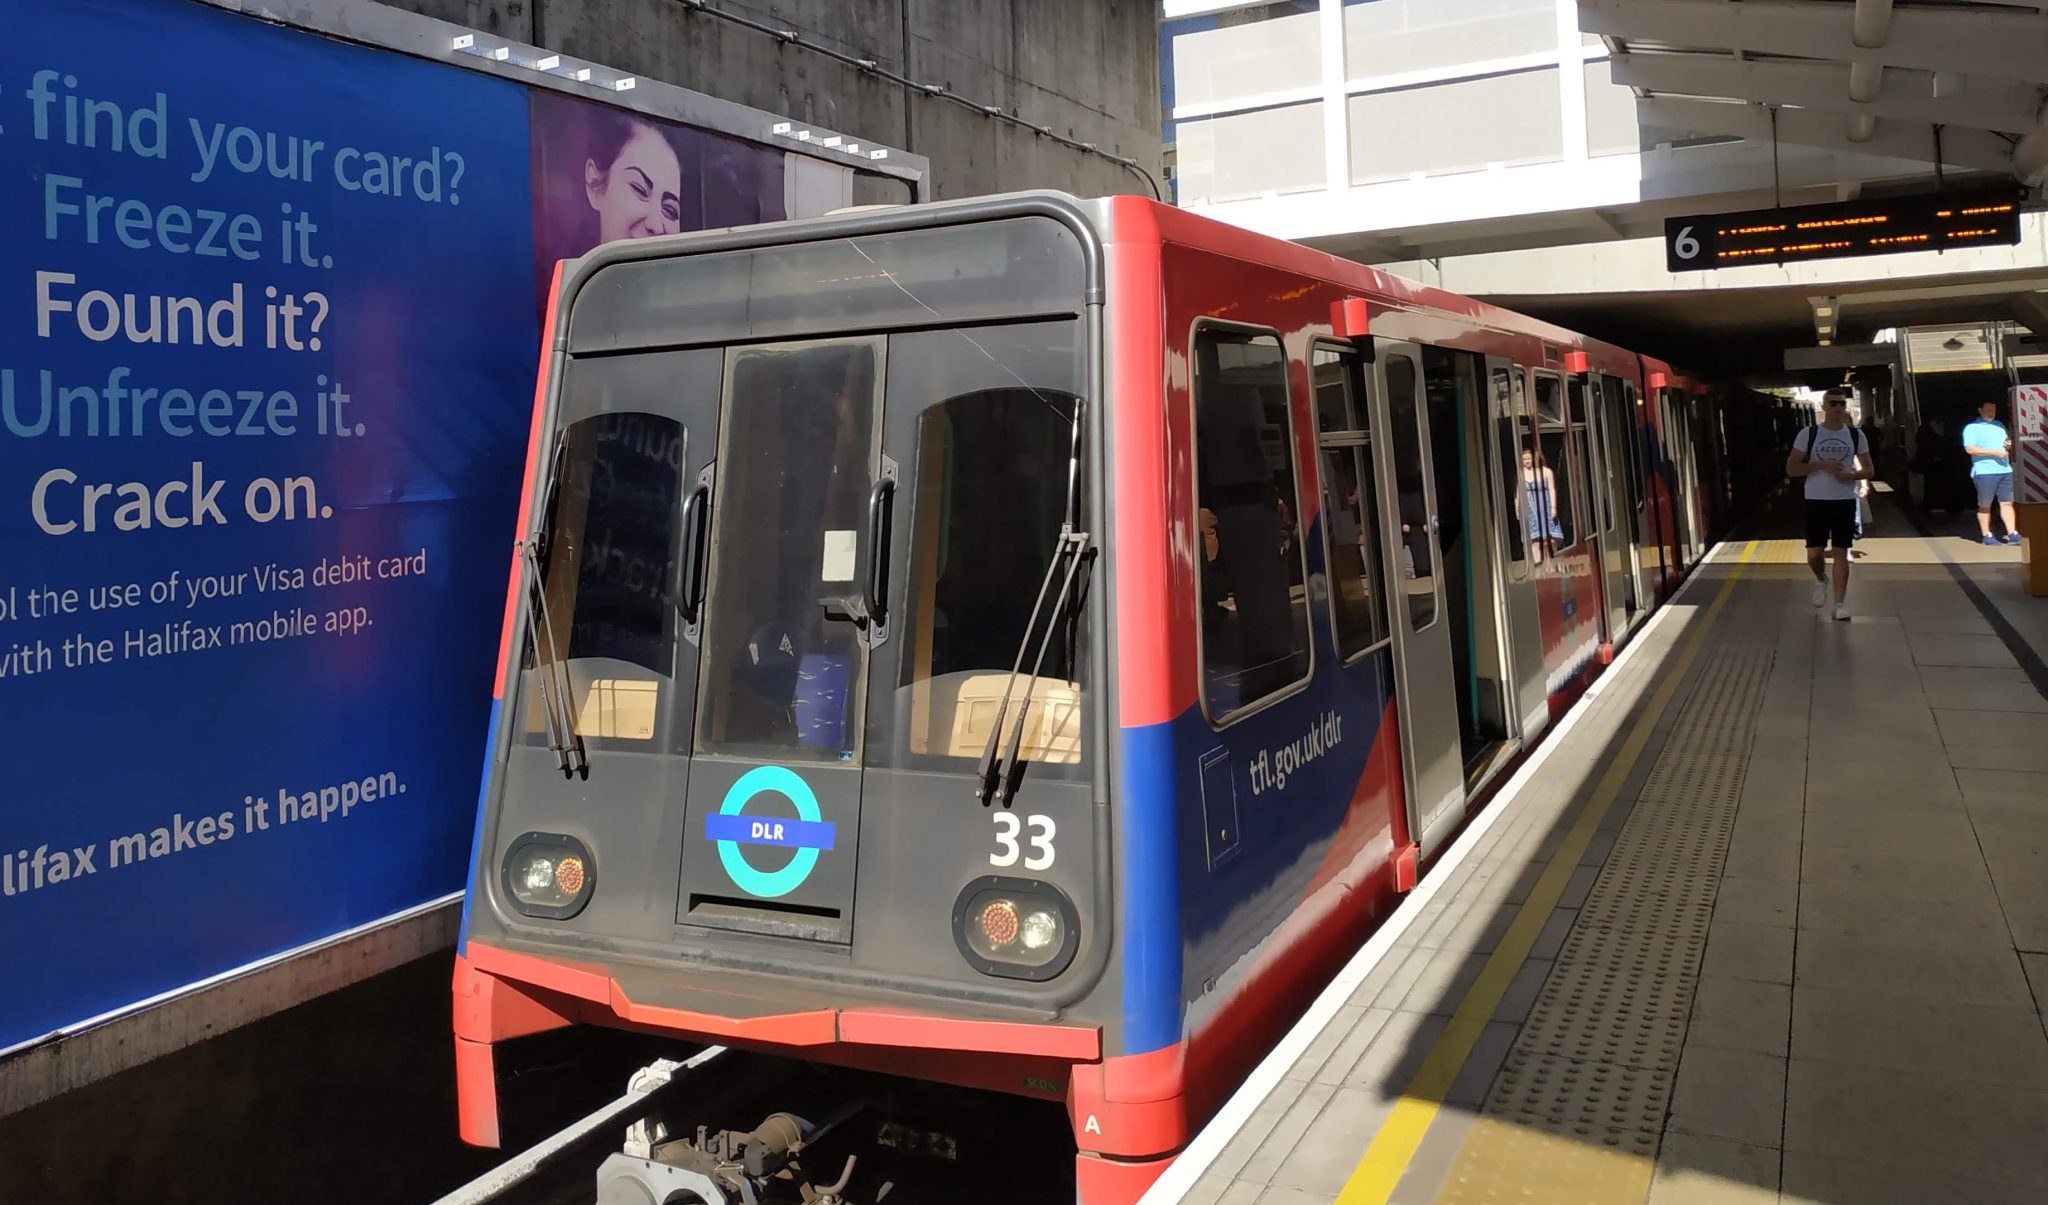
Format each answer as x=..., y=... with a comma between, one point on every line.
x=1533, y=1162
x=1781, y=552
x=1598, y=1057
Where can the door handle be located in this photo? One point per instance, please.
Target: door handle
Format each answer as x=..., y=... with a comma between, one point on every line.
x=847, y=608
x=868, y=607
x=881, y=513
x=696, y=532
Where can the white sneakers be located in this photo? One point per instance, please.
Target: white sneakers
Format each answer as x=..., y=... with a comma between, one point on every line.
x=1820, y=599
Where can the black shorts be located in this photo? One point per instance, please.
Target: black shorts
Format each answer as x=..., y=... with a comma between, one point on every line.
x=1830, y=520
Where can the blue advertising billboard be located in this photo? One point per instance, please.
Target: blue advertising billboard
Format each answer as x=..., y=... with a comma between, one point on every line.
x=268, y=330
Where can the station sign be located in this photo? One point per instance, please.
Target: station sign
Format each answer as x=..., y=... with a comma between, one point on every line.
x=1843, y=230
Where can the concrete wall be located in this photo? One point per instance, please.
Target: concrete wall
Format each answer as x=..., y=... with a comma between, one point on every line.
x=1087, y=68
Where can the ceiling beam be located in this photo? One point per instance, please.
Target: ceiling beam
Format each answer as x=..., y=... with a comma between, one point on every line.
x=1898, y=140
x=1843, y=355
x=1369, y=248
x=1602, y=220
x=2031, y=311
x=1906, y=94
x=2007, y=45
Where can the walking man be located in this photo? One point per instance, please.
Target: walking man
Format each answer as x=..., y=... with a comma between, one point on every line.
x=1990, y=450
x=1834, y=458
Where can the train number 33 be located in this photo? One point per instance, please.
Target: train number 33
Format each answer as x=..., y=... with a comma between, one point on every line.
x=1008, y=849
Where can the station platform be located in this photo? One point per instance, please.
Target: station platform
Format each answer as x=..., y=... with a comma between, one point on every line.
x=1768, y=921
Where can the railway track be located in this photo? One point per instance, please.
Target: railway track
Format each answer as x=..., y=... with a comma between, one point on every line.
x=724, y=1127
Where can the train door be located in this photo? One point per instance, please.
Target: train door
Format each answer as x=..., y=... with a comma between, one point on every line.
x=1422, y=643
x=1515, y=449
x=1468, y=529
x=886, y=513
x=1672, y=410
x=1658, y=447
x=1642, y=522
x=1689, y=478
x=787, y=637
x=1617, y=576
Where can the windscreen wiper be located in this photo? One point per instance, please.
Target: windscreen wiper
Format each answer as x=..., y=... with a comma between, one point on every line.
x=999, y=779
x=563, y=738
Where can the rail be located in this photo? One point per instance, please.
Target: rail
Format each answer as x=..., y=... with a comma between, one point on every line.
x=643, y=1086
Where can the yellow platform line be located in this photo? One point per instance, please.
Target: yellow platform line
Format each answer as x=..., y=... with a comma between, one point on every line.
x=1393, y=1147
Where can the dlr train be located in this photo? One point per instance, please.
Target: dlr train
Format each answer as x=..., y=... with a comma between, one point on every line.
x=1028, y=643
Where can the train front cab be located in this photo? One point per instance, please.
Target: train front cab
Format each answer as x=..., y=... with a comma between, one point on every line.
x=799, y=500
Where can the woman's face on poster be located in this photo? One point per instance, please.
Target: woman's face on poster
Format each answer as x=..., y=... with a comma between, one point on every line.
x=640, y=194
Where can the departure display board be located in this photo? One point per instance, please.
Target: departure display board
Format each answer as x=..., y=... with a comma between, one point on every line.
x=1843, y=229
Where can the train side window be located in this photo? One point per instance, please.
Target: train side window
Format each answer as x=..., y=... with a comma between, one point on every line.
x=1586, y=402
x=1507, y=428
x=1549, y=484
x=1253, y=605
x=1418, y=552
x=1586, y=507
x=1351, y=523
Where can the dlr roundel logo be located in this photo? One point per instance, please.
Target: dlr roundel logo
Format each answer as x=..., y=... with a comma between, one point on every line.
x=733, y=828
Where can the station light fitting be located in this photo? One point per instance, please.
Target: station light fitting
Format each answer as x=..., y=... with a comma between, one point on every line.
x=540, y=62
x=827, y=140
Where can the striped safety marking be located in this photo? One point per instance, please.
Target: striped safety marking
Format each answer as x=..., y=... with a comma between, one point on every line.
x=2030, y=406
x=2033, y=470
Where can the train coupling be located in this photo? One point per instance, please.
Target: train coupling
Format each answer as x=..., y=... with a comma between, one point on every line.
x=730, y=1167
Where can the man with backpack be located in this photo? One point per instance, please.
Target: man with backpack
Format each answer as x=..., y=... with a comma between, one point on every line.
x=1834, y=458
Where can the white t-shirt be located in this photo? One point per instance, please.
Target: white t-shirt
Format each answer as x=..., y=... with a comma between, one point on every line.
x=1840, y=445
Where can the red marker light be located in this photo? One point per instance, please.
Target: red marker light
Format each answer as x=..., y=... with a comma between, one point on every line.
x=569, y=875
x=999, y=923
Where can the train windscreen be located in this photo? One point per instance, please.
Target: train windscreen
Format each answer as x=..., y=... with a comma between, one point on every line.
x=820, y=486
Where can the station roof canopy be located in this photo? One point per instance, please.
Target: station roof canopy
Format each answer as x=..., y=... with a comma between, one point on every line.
x=1955, y=82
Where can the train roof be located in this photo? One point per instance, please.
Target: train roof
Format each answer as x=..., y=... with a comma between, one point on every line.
x=1135, y=219
x=1146, y=217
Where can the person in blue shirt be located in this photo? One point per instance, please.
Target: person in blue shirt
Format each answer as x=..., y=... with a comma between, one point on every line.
x=1990, y=451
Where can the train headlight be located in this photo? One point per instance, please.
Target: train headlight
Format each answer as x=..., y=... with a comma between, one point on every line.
x=548, y=875
x=1015, y=928
x=1042, y=930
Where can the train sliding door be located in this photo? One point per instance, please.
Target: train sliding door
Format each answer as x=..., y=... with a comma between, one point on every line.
x=1422, y=639
x=1468, y=530
x=1632, y=429
x=1616, y=548
x=1515, y=448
